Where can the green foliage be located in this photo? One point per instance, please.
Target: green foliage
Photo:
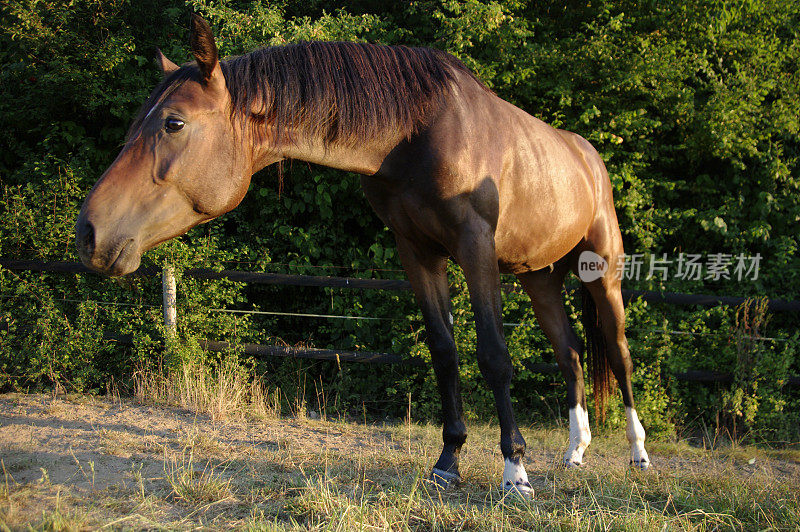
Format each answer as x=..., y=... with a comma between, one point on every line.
x=693, y=105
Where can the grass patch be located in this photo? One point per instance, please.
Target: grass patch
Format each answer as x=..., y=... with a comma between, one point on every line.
x=224, y=392
x=191, y=485
x=270, y=473
x=61, y=519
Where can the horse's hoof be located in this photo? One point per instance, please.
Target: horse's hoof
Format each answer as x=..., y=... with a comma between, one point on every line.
x=571, y=464
x=521, y=490
x=443, y=480
x=642, y=465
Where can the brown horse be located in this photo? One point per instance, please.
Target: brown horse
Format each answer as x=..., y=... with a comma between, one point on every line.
x=451, y=168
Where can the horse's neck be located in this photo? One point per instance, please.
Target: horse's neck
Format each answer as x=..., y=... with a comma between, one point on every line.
x=364, y=158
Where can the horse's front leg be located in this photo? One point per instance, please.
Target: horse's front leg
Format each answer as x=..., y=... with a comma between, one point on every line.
x=477, y=257
x=427, y=272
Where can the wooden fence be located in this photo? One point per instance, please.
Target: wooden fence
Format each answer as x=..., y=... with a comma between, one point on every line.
x=169, y=298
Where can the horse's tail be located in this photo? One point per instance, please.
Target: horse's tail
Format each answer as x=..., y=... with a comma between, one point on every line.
x=597, y=351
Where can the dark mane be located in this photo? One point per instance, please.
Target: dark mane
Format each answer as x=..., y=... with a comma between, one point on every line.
x=338, y=91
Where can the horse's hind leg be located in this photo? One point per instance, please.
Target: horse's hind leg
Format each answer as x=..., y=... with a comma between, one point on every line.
x=544, y=288
x=427, y=273
x=605, y=240
x=607, y=295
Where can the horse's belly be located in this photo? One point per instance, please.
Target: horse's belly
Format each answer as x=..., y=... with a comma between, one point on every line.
x=541, y=222
x=520, y=254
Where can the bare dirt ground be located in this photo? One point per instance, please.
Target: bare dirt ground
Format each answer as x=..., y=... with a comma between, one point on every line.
x=84, y=463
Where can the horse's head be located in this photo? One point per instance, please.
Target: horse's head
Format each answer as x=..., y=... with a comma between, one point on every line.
x=184, y=163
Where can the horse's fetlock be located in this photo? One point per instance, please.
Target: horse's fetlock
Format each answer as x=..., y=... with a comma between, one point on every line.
x=455, y=436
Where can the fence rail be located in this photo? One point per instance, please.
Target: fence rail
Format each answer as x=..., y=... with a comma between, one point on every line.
x=671, y=298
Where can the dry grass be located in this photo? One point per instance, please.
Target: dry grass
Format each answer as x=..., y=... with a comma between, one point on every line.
x=169, y=468
x=192, y=485
x=225, y=392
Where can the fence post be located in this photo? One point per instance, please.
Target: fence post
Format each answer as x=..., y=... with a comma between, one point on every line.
x=169, y=300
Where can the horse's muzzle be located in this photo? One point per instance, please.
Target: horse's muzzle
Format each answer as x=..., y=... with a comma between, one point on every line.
x=119, y=258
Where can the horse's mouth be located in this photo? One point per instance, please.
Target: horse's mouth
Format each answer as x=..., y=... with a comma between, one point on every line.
x=123, y=262
x=127, y=260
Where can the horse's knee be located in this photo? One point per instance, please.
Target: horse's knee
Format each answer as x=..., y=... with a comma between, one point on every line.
x=441, y=343
x=443, y=354
x=496, y=368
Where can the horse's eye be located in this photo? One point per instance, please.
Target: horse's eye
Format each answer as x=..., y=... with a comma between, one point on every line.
x=173, y=124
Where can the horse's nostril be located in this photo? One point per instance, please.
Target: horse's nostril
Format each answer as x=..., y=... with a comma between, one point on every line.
x=86, y=238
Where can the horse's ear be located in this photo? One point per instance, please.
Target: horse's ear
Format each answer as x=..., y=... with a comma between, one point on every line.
x=205, y=53
x=167, y=67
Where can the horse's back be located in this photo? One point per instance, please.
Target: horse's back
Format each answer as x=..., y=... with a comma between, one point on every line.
x=484, y=157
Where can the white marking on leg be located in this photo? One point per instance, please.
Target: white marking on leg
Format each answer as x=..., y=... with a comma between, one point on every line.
x=515, y=479
x=579, y=436
x=635, y=433
x=450, y=317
